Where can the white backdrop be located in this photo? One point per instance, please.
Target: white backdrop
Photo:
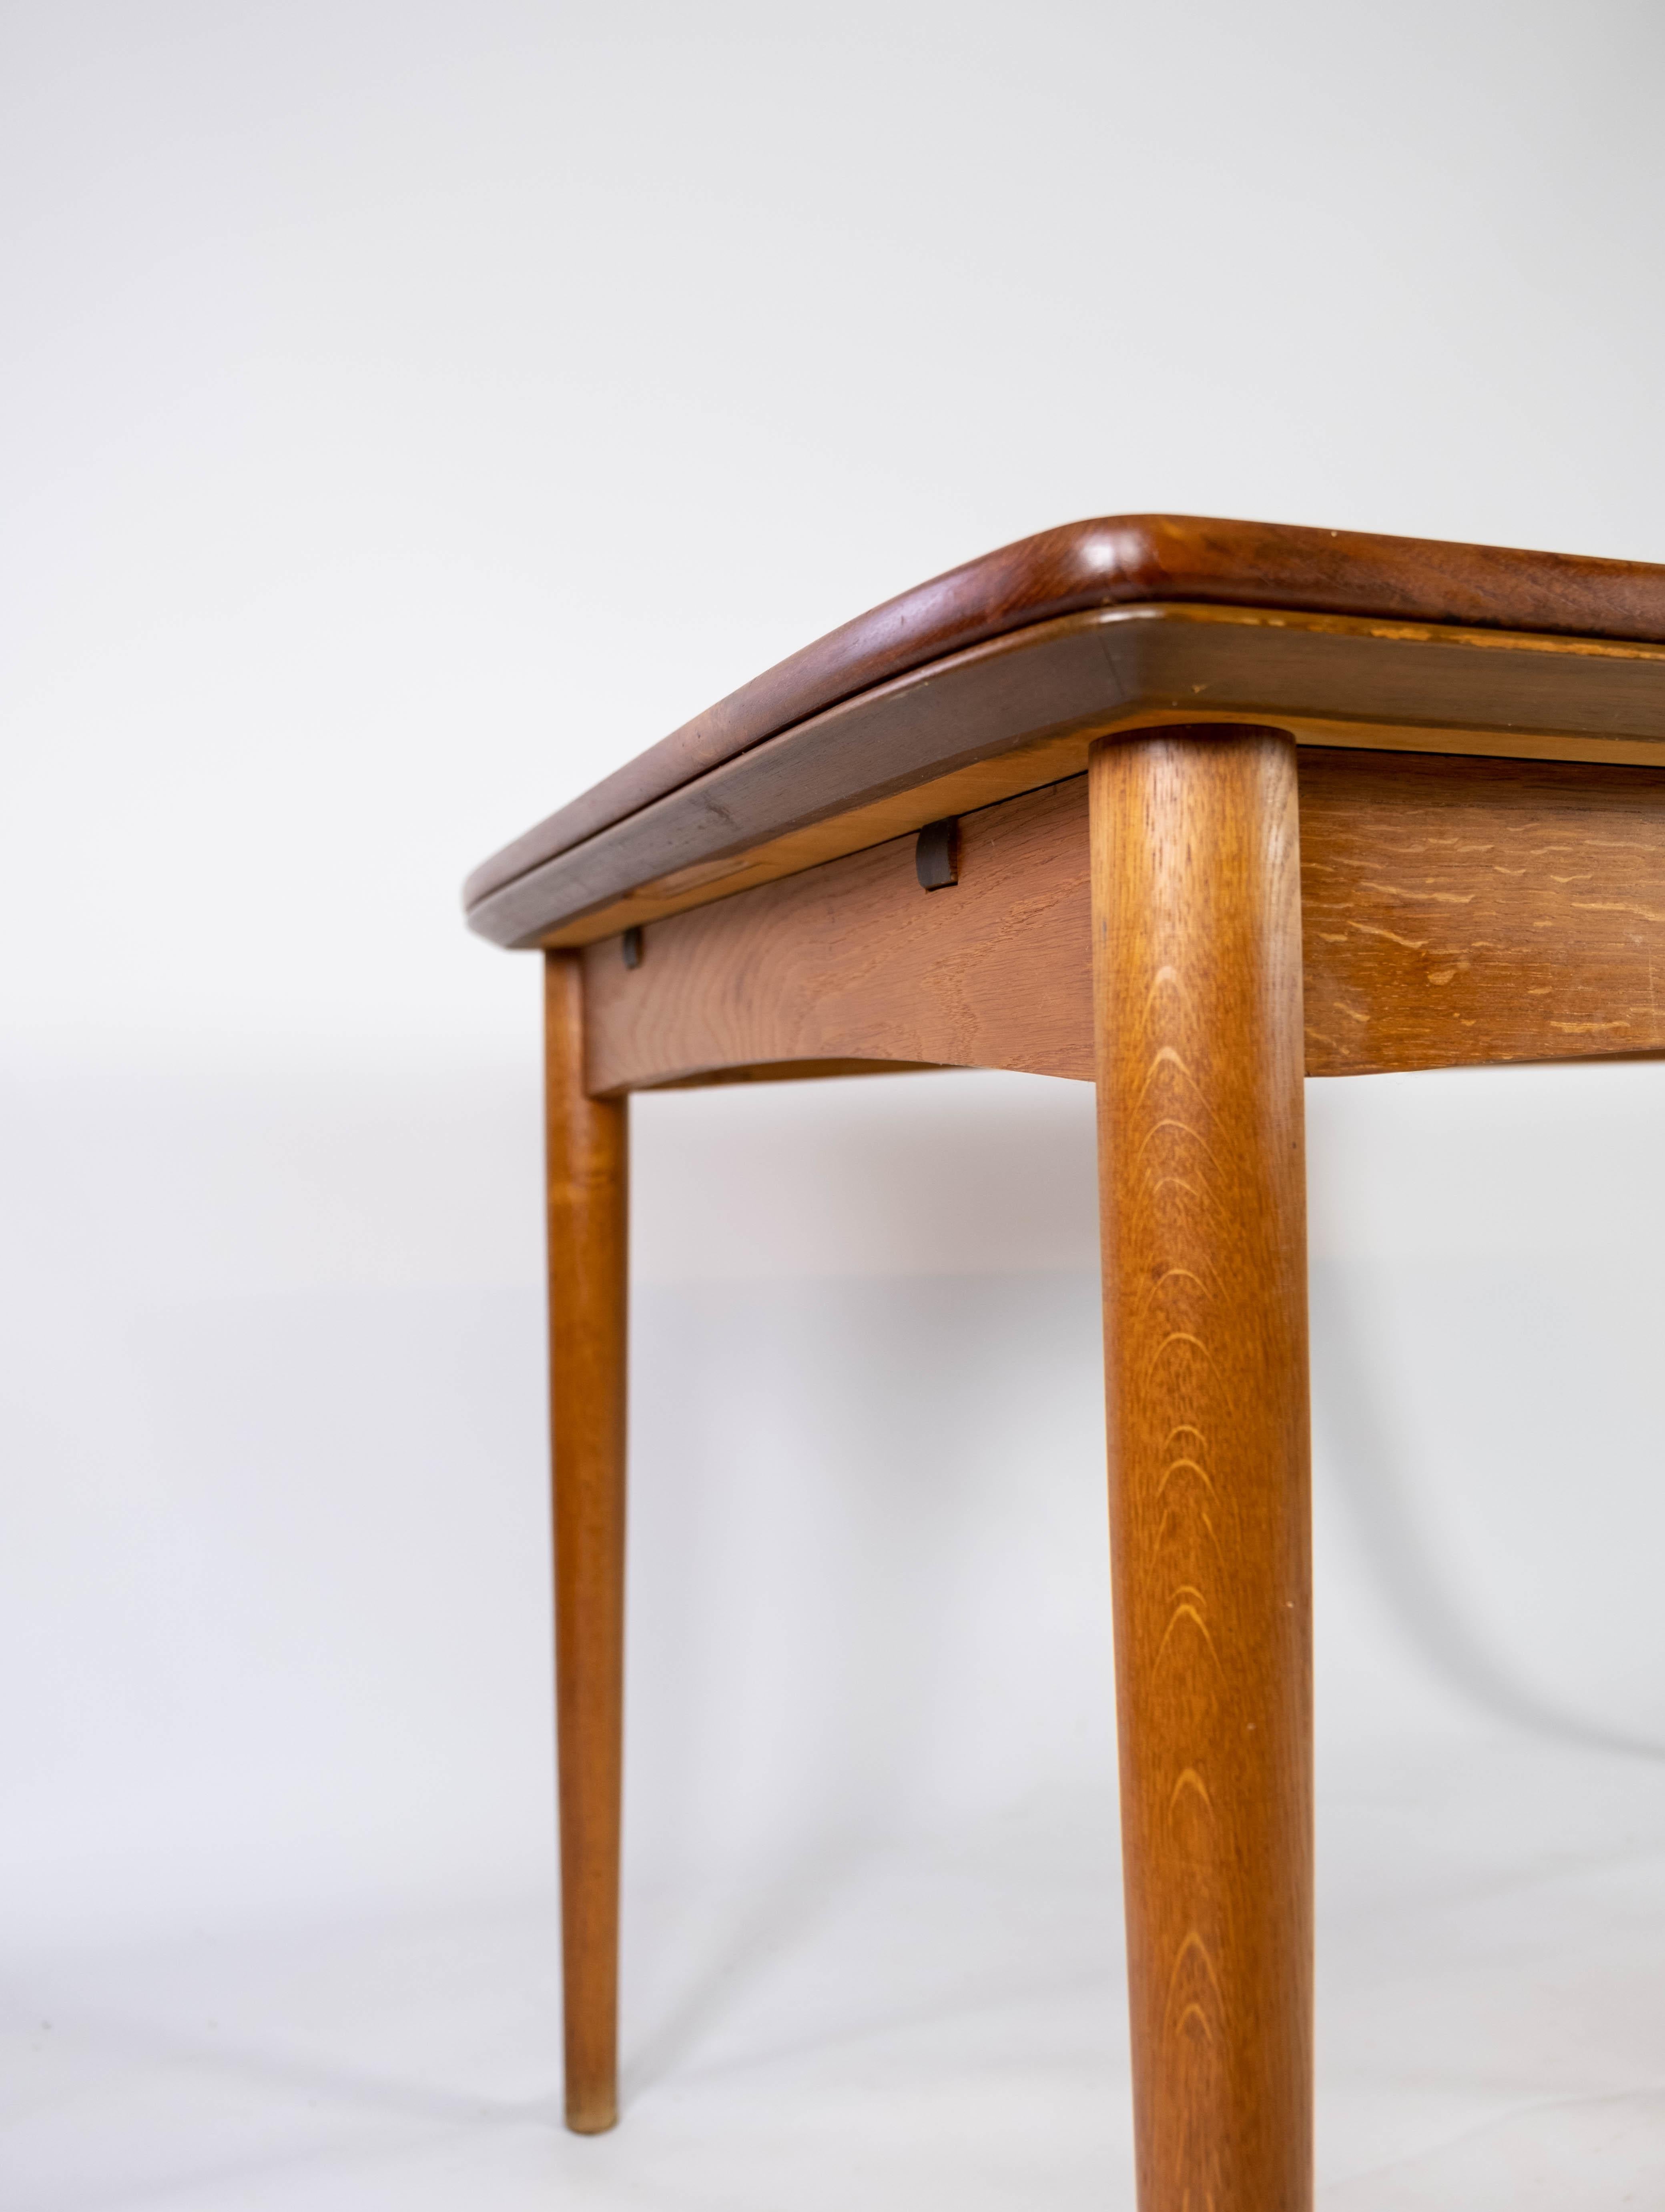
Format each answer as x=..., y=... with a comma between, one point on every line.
x=411, y=410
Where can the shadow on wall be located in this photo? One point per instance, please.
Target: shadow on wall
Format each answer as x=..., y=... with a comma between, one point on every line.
x=1444, y=1443
x=868, y=1597
x=868, y=1579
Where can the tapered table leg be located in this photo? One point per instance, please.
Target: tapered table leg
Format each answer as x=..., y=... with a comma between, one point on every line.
x=587, y=1198
x=1197, y=953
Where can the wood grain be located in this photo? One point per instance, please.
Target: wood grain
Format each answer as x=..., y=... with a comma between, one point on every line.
x=1197, y=955
x=1473, y=911
x=1021, y=711
x=854, y=960
x=1456, y=912
x=588, y=1248
x=1116, y=561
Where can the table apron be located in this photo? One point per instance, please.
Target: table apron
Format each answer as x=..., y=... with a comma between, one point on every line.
x=1455, y=911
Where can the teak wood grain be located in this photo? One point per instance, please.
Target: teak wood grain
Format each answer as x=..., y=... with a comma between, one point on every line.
x=588, y=1168
x=1456, y=912
x=1202, y=1196
x=1110, y=562
x=1021, y=711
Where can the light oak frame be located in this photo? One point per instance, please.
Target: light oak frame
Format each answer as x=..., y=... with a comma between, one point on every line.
x=1143, y=924
x=1236, y=803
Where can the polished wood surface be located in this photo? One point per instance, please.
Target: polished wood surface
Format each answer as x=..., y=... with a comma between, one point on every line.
x=1116, y=561
x=855, y=961
x=1202, y=1196
x=1218, y=804
x=1455, y=913
x=1021, y=711
x=588, y=1168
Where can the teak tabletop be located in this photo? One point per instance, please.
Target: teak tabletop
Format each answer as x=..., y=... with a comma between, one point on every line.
x=1215, y=805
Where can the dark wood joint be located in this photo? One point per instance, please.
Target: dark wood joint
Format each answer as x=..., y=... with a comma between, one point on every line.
x=937, y=855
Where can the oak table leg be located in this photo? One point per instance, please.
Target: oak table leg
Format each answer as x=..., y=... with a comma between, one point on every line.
x=1197, y=959
x=588, y=1165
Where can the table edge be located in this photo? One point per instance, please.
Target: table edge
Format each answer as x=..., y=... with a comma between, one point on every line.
x=1122, y=560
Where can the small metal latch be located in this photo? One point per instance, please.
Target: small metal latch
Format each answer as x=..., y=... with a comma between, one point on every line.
x=630, y=946
x=937, y=855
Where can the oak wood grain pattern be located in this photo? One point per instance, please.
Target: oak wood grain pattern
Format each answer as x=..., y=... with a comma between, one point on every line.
x=1117, y=561
x=587, y=1247
x=1021, y=710
x=1197, y=955
x=1471, y=911
x=854, y=960
x=1456, y=912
